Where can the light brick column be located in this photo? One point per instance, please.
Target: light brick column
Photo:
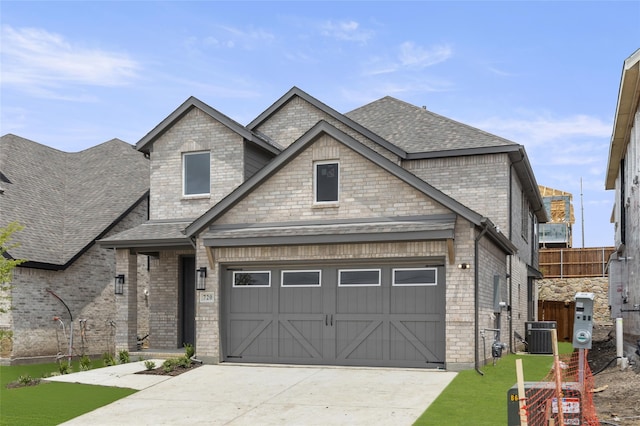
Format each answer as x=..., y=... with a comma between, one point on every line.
x=127, y=303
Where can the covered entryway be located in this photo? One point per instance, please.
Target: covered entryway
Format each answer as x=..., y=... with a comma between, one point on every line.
x=348, y=314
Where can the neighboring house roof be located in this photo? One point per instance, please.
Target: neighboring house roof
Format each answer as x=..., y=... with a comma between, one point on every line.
x=417, y=130
x=628, y=100
x=67, y=200
x=307, y=139
x=147, y=141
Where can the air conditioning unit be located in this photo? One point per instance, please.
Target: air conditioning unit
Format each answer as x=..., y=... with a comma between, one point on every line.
x=538, y=336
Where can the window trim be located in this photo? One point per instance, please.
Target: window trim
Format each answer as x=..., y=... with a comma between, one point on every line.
x=393, y=277
x=340, y=271
x=319, y=271
x=315, y=182
x=184, y=174
x=234, y=285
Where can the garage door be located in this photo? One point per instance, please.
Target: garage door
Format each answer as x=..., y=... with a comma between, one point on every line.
x=357, y=314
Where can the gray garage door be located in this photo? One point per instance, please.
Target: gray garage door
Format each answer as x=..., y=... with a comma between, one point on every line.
x=389, y=315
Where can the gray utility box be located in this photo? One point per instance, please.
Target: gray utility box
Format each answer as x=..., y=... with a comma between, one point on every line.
x=538, y=336
x=542, y=402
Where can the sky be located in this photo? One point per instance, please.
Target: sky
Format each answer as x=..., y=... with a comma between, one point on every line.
x=544, y=74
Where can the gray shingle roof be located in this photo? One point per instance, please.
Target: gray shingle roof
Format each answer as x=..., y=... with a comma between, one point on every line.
x=379, y=229
x=67, y=200
x=415, y=129
x=150, y=234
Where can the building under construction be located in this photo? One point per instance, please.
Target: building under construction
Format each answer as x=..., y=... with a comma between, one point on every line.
x=557, y=233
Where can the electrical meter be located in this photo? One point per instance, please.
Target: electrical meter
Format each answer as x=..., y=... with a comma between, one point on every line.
x=583, y=321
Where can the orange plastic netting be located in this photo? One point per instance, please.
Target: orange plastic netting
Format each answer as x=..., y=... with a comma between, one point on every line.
x=576, y=387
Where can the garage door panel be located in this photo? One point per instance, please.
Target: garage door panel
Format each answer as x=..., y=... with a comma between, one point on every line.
x=416, y=341
x=251, y=300
x=301, y=339
x=359, y=340
x=359, y=300
x=250, y=338
x=301, y=300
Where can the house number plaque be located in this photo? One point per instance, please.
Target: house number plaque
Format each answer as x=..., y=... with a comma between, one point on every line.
x=206, y=297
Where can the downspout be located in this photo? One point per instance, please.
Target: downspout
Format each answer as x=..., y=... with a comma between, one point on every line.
x=476, y=291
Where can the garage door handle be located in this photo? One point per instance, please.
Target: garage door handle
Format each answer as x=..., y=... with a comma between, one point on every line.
x=326, y=319
x=331, y=320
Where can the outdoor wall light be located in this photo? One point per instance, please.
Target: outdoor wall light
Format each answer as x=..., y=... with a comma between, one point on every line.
x=463, y=266
x=118, y=284
x=201, y=278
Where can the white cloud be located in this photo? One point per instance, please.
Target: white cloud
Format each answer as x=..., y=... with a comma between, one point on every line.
x=346, y=30
x=414, y=56
x=41, y=62
x=542, y=129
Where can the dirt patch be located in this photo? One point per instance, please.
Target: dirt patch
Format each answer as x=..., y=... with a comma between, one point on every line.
x=619, y=401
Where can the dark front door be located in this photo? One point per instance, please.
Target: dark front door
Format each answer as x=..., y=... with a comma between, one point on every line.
x=187, y=300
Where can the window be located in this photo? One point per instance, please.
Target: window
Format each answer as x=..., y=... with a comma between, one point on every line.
x=415, y=276
x=359, y=277
x=326, y=182
x=196, y=174
x=252, y=279
x=301, y=278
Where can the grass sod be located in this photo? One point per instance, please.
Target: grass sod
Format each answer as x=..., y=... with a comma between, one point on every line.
x=50, y=403
x=472, y=399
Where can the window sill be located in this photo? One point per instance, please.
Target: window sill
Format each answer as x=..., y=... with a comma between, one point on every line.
x=328, y=205
x=196, y=197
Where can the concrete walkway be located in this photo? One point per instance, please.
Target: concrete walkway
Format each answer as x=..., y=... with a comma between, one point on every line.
x=236, y=394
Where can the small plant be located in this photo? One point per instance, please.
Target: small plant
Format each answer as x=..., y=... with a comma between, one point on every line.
x=189, y=350
x=169, y=365
x=123, y=355
x=183, y=362
x=149, y=365
x=64, y=367
x=108, y=359
x=25, y=380
x=85, y=363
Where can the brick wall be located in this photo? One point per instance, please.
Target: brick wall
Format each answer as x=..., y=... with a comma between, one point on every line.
x=196, y=131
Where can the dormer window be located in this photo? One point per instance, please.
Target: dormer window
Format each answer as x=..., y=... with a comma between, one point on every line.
x=196, y=173
x=326, y=178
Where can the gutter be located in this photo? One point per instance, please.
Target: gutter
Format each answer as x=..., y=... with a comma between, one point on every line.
x=476, y=291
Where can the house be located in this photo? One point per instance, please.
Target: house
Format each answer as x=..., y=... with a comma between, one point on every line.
x=558, y=232
x=623, y=177
x=66, y=201
x=387, y=236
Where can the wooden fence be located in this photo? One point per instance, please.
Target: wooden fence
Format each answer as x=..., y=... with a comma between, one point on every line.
x=575, y=262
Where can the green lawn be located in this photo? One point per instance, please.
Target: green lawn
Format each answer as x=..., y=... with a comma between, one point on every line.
x=50, y=403
x=472, y=399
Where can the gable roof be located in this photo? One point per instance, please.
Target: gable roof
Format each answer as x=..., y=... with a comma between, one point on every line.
x=147, y=141
x=320, y=129
x=628, y=100
x=296, y=92
x=67, y=200
x=418, y=130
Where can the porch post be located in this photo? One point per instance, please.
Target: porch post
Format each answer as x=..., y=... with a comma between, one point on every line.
x=126, y=303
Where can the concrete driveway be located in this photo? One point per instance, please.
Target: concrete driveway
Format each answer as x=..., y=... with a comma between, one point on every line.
x=236, y=394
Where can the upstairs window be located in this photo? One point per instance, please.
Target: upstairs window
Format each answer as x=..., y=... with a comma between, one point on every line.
x=326, y=177
x=196, y=173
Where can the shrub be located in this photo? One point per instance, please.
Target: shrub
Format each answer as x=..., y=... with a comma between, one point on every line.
x=108, y=359
x=25, y=380
x=189, y=350
x=169, y=365
x=123, y=355
x=183, y=362
x=85, y=363
x=149, y=365
x=64, y=367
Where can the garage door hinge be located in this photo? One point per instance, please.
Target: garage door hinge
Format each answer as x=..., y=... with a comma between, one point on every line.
x=234, y=356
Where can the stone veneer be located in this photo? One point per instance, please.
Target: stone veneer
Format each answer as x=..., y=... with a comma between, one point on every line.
x=565, y=289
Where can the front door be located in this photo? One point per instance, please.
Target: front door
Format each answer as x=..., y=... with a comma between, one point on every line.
x=187, y=301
